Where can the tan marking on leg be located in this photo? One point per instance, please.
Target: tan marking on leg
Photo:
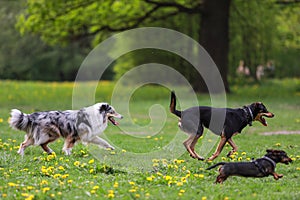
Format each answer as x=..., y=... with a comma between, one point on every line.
x=219, y=148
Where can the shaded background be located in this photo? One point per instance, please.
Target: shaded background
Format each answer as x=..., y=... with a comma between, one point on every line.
x=48, y=40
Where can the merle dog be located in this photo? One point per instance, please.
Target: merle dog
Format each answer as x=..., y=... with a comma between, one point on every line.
x=192, y=121
x=73, y=125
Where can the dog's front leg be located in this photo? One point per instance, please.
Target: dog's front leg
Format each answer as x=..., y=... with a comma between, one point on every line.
x=101, y=142
x=277, y=176
x=233, y=145
x=219, y=148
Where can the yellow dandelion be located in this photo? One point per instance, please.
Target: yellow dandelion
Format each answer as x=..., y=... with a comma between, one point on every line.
x=4, y=195
x=149, y=178
x=155, y=165
x=132, y=190
x=131, y=183
x=159, y=174
x=167, y=178
x=24, y=194
x=137, y=195
x=298, y=168
x=148, y=137
x=52, y=195
x=278, y=144
x=56, y=175
x=95, y=187
x=203, y=198
x=1, y=120
x=156, y=139
x=112, y=153
x=30, y=187
x=59, y=193
x=124, y=151
x=44, y=182
x=244, y=153
x=91, y=171
x=91, y=161
x=76, y=163
x=111, y=195
x=65, y=176
x=30, y=197
x=11, y=184
x=93, y=191
x=183, y=179
x=70, y=181
x=240, y=158
x=61, y=168
x=45, y=189
x=226, y=198
x=179, y=183
x=116, y=184
x=201, y=175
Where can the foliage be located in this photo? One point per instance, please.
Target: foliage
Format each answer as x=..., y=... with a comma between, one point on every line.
x=263, y=31
x=82, y=176
x=56, y=35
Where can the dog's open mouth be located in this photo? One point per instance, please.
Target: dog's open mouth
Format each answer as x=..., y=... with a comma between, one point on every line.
x=261, y=119
x=113, y=121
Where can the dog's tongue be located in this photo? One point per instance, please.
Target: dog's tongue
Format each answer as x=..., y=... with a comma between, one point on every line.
x=112, y=120
x=264, y=122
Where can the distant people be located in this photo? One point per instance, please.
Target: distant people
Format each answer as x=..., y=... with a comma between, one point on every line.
x=242, y=70
x=259, y=72
x=267, y=71
x=270, y=69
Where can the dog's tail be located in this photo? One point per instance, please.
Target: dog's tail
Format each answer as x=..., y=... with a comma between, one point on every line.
x=173, y=105
x=220, y=163
x=18, y=120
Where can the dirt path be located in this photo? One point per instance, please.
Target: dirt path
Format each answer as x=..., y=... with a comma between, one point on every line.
x=281, y=132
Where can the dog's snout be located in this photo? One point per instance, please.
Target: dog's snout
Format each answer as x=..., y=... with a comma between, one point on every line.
x=121, y=117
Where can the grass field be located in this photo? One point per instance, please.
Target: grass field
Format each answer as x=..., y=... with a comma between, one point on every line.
x=85, y=174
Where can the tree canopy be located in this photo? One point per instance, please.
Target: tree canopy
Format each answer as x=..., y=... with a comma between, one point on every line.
x=259, y=31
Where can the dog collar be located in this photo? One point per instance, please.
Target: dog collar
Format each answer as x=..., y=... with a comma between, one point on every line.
x=270, y=160
x=249, y=114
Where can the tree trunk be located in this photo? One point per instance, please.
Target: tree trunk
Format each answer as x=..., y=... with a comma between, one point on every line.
x=214, y=37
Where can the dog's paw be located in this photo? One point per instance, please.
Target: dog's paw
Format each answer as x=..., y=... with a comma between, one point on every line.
x=280, y=176
x=21, y=152
x=110, y=148
x=67, y=151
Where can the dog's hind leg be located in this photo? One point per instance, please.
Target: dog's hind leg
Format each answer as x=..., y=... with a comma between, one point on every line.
x=27, y=142
x=233, y=145
x=46, y=148
x=219, y=148
x=101, y=142
x=69, y=143
x=192, y=146
x=187, y=143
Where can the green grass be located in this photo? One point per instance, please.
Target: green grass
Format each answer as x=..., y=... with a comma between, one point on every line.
x=125, y=172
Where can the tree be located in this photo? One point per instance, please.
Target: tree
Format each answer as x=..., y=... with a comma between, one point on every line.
x=67, y=21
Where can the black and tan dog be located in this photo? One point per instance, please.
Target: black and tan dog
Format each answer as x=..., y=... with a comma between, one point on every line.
x=192, y=121
x=261, y=167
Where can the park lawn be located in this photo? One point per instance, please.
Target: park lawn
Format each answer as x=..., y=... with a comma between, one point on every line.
x=86, y=175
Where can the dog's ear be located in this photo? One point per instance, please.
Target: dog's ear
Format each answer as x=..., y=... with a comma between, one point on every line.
x=104, y=107
x=270, y=150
